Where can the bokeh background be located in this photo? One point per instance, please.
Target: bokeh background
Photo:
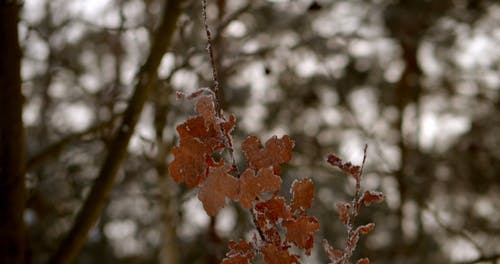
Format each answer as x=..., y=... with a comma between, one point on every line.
x=418, y=81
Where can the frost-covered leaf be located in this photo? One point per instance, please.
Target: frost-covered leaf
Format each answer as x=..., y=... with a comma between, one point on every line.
x=365, y=229
x=372, y=197
x=344, y=210
x=206, y=107
x=346, y=167
x=301, y=232
x=252, y=186
x=302, y=195
x=189, y=164
x=199, y=136
x=363, y=261
x=272, y=210
x=217, y=187
x=274, y=255
x=239, y=253
x=275, y=152
x=335, y=255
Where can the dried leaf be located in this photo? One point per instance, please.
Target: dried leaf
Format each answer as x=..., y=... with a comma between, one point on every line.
x=189, y=164
x=195, y=127
x=272, y=210
x=252, y=186
x=301, y=232
x=206, y=107
x=302, y=195
x=200, y=136
x=335, y=255
x=344, y=212
x=275, y=152
x=363, y=261
x=217, y=187
x=272, y=235
x=372, y=197
x=346, y=167
x=365, y=229
x=239, y=253
x=274, y=255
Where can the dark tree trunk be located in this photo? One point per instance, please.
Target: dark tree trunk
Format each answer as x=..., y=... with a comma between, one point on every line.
x=12, y=190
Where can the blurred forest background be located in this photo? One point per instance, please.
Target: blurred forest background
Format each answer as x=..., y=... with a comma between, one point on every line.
x=418, y=81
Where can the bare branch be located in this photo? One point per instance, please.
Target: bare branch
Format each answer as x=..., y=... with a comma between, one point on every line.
x=210, y=51
x=56, y=148
x=99, y=194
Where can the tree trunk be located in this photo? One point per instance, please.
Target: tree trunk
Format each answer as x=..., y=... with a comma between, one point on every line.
x=12, y=190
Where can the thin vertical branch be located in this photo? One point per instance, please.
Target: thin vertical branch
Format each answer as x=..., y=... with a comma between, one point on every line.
x=211, y=56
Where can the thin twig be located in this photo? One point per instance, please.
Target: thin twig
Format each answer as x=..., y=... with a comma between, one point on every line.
x=215, y=89
x=256, y=223
x=210, y=51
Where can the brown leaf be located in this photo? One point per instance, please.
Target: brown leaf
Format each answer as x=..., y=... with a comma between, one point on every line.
x=189, y=164
x=301, y=232
x=272, y=210
x=252, y=186
x=335, y=255
x=206, y=107
x=217, y=187
x=275, y=152
x=275, y=255
x=302, y=195
x=346, y=167
x=344, y=211
x=363, y=261
x=200, y=136
x=372, y=197
x=272, y=235
x=239, y=253
x=365, y=229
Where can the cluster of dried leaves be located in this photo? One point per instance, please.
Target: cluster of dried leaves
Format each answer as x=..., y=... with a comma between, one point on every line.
x=349, y=211
x=257, y=188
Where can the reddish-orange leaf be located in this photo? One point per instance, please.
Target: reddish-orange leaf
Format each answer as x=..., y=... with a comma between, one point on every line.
x=272, y=210
x=252, y=186
x=241, y=252
x=365, y=229
x=363, y=261
x=189, y=164
x=229, y=125
x=195, y=127
x=372, y=197
x=206, y=107
x=301, y=232
x=335, y=255
x=346, y=167
x=275, y=152
x=344, y=211
x=274, y=255
x=217, y=187
x=302, y=195
x=272, y=235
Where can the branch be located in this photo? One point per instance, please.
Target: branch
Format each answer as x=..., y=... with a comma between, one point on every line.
x=211, y=56
x=56, y=148
x=100, y=192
